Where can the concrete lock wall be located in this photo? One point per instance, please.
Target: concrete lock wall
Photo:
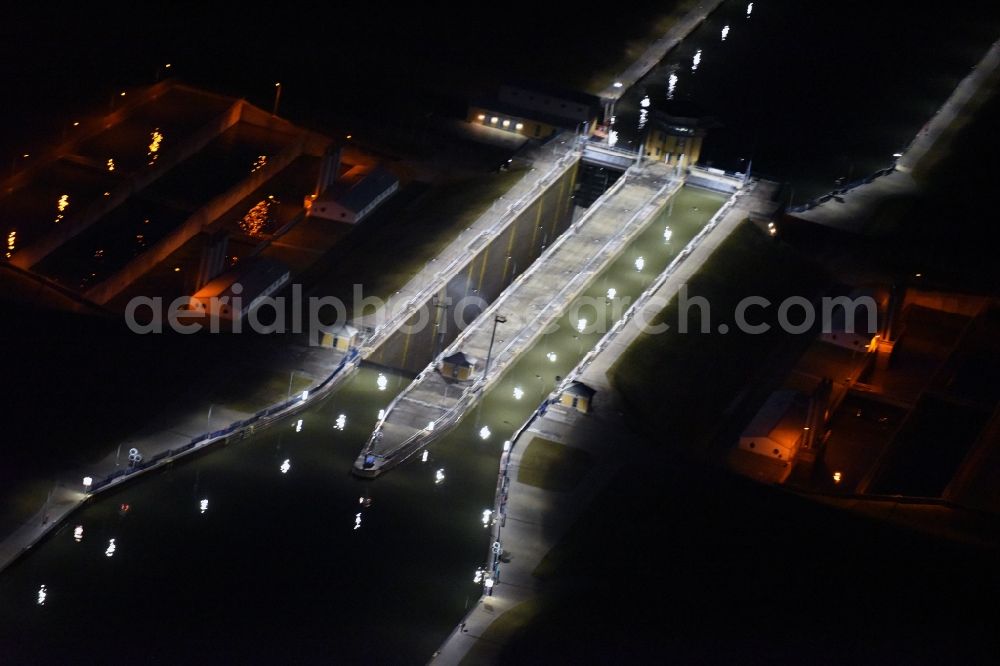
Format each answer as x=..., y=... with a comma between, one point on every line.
x=34, y=253
x=484, y=277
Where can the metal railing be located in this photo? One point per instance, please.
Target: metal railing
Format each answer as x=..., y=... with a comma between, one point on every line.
x=529, y=331
x=646, y=295
x=400, y=314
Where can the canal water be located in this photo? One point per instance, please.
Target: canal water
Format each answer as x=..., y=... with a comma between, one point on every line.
x=812, y=92
x=270, y=549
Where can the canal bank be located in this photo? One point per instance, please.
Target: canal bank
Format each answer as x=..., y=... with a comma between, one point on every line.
x=531, y=519
x=427, y=409
x=275, y=558
x=315, y=371
x=854, y=206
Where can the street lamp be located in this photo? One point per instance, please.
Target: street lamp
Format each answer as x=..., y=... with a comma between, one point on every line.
x=159, y=70
x=291, y=375
x=13, y=162
x=277, y=97
x=88, y=482
x=499, y=319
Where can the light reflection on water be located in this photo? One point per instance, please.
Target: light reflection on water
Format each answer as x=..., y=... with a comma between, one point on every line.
x=294, y=546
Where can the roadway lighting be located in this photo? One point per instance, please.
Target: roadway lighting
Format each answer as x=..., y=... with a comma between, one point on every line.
x=749, y=9
x=837, y=477
x=203, y=505
x=42, y=593
x=696, y=61
x=298, y=426
x=644, y=103
x=357, y=521
x=78, y=533
x=519, y=127
x=897, y=154
x=305, y=395
x=430, y=426
x=285, y=466
x=487, y=513
x=518, y=393
x=506, y=445
x=617, y=84
x=481, y=116
x=381, y=414
x=551, y=356
x=667, y=234
x=498, y=319
x=671, y=85
x=493, y=120
x=725, y=33
x=484, y=432
x=612, y=292
x=341, y=422
x=506, y=124
x=439, y=477
x=581, y=324
x=110, y=550
x=423, y=456
x=639, y=263
x=88, y=482
x=382, y=382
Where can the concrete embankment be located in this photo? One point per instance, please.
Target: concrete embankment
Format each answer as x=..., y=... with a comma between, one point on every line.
x=478, y=265
x=432, y=404
x=852, y=207
x=520, y=544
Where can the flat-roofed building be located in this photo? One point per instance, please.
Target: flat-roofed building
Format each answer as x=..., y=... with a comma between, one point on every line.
x=235, y=293
x=536, y=111
x=778, y=428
